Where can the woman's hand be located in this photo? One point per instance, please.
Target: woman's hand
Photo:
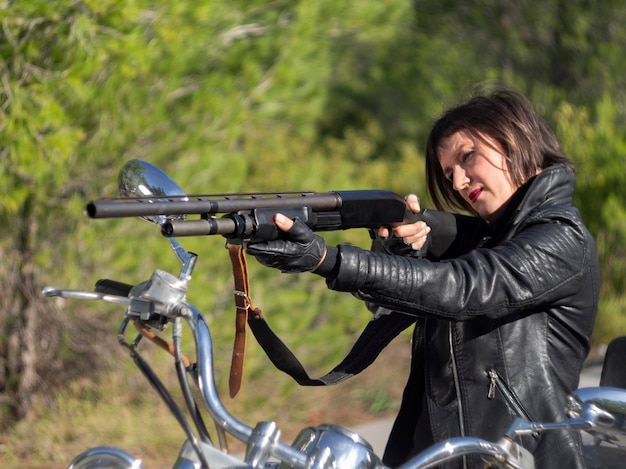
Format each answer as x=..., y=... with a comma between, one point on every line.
x=413, y=235
x=298, y=249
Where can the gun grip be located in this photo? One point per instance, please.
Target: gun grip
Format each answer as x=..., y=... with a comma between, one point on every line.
x=396, y=246
x=411, y=217
x=443, y=233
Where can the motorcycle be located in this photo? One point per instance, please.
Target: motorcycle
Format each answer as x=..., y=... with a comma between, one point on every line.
x=152, y=305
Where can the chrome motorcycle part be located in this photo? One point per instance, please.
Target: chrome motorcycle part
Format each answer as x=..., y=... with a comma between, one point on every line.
x=605, y=409
x=335, y=446
x=263, y=439
x=188, y=458
x=85, y=295
x=139, y=178
x=165, y=291
x=104, y=457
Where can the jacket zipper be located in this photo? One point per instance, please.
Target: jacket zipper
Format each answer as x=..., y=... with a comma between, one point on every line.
x=495, y=382
x=457, y=386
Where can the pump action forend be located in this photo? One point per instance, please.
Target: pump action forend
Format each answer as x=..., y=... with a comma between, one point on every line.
x=249, y=216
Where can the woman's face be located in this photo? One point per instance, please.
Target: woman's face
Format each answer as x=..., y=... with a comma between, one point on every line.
x=478, y=172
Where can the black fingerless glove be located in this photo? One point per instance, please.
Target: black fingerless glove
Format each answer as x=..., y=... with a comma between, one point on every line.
x=298, y=250
x=396, y=246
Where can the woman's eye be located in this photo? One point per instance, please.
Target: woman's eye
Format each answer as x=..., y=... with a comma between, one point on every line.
x=467, y=155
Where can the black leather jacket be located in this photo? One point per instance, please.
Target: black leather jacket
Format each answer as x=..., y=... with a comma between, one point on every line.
x=509, y=312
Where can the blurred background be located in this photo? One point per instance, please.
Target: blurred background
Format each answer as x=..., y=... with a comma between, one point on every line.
x=249, y=95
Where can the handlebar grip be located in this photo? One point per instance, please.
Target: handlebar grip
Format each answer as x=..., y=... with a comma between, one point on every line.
x=113, y=287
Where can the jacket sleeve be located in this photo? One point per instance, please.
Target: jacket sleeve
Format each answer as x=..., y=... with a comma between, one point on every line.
x=541, y=264
x=452, y=234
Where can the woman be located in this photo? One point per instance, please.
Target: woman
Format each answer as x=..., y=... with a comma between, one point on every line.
x=504, y=313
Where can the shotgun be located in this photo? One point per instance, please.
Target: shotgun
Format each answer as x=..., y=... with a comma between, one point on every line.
x=249, y=216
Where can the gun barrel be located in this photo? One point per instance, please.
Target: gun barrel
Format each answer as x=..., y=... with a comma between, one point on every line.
x=209, y=204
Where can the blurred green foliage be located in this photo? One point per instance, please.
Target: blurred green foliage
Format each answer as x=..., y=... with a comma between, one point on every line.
x=277, y=95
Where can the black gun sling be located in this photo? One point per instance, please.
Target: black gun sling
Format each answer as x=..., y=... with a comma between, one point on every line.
x=381, y=330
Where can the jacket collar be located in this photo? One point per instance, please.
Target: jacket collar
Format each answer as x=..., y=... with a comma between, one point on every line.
x=552, y=186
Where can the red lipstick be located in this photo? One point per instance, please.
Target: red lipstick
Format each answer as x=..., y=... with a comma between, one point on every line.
x=473, y=196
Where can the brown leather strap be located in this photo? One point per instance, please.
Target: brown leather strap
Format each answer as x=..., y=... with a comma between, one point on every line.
x=244, y=307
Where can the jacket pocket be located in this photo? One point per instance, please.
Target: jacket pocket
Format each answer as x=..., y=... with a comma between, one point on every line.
x=496, y=383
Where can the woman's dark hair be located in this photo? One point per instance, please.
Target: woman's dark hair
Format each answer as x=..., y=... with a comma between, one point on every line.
x=507, y=118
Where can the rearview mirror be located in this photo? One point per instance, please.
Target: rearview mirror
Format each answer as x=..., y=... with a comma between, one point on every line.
x=139, y=178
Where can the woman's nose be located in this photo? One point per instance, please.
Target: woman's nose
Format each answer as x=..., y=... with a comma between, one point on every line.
x=459, y=178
